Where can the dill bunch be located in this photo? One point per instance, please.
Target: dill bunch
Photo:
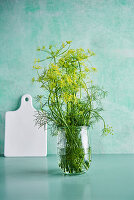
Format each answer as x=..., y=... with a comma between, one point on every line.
x=70, y=99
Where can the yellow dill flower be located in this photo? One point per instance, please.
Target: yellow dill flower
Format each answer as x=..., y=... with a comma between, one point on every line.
x=69, y=97
x=63, y=83
x=35, y=61
x=43, y=47
x=89, y=51
x=74, y=76
x=58, y=73
x=85, y=56
x=79, y=58
x=38, y=49
x=81, y=49
x=71, y=51
x=37, y=67
x=94, y=69
x=50, y=74
x=86, y=69
x=54, y=67
x=50, y=46
x=83, y=85
x=33, y=79
x=63, y=45
x=82, y=63
x=52, y=85
x=68, y=42
x=69, y=80
x=83, y=75
x=55, y=70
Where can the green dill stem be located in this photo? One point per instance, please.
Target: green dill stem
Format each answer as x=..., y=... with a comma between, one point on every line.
x=46, y=51
x=86, y=89
x=61, y=50
x=56, y=113
x=101, y=118
x=67, y=102
x=64, y=51
x=80, y=77
x=57, y=100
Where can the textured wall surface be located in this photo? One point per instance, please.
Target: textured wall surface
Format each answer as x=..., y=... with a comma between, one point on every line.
x=106, y=27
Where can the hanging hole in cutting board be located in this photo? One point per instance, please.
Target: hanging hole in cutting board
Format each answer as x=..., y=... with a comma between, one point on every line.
x=26, y=99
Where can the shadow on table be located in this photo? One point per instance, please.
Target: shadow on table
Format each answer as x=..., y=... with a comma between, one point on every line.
x=23, y=173
x=46, y=172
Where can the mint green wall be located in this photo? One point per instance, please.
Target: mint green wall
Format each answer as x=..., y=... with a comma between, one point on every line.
x=107, y=27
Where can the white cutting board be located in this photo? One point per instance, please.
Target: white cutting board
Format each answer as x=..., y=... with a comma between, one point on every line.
x=22, y=137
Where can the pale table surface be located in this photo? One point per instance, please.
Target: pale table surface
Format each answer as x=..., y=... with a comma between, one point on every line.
x=110, y=177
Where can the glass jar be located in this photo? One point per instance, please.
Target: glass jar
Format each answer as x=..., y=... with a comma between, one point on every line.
x=73, y=149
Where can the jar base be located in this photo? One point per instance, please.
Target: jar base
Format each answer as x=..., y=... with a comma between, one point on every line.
x=73, y=174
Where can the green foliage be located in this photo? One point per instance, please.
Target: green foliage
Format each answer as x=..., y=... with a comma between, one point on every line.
x=72, y=99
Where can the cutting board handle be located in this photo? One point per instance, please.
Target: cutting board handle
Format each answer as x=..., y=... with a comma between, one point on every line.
x=26, y=100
